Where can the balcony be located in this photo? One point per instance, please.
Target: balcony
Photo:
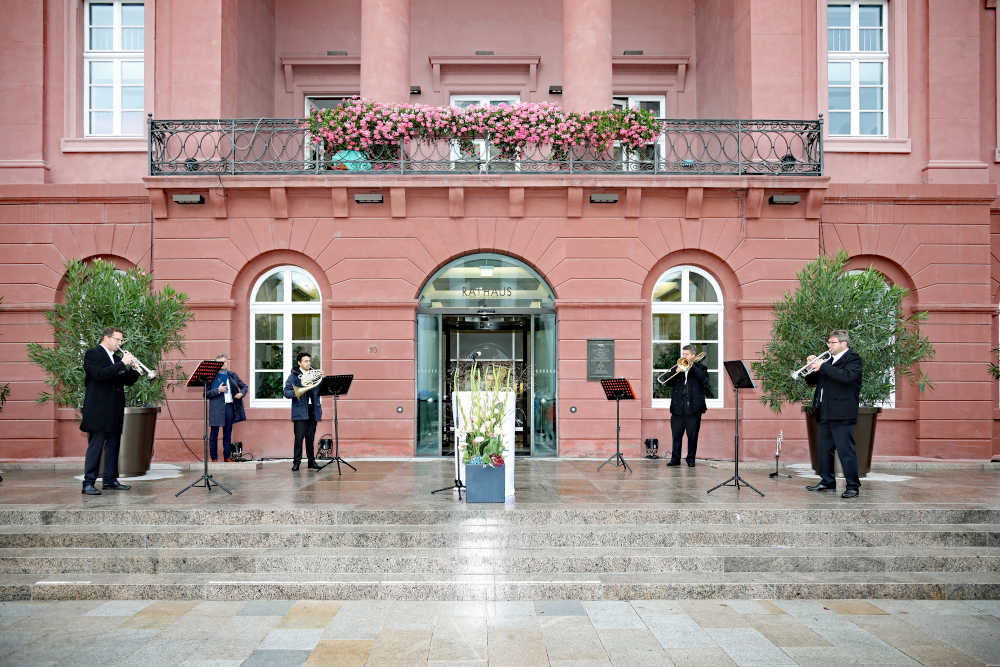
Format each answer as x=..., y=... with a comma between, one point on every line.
x=730, y=147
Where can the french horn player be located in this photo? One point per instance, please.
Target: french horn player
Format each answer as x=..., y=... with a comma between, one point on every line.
x=302, y=386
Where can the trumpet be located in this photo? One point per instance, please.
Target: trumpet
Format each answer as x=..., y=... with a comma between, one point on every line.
x=805, y=370
x=310, y=380
x=683, y=366
x=141, y=367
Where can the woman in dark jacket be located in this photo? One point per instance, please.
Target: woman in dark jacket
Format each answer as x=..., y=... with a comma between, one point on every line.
x=225, y=408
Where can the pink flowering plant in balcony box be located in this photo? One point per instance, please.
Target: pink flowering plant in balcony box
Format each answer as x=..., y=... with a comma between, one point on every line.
x=365, y=125
x=483, y=416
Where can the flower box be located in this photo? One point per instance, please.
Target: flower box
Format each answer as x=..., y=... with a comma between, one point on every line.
x=484, y=484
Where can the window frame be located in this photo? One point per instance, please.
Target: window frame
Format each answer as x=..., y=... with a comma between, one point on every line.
x=896, y=98
x=686, y=309
x=117, y=56
x=633, y=102
x=482, y=99
x=855, y=57
x=286, y=308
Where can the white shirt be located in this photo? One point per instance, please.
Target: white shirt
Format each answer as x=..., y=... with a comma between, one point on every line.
x=110, y=354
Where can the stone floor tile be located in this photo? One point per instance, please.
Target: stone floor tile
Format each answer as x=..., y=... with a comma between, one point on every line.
x=217, y=608
x=699, y=657
x=266, y=608
x=211, y=663
x=714, y=614
x=463, y=609
x=803, y=607
x=160, y=652
x=840, y=631
x=941, y=654
x=412, y=615
x=400, y=647
x=785, y=631
x=613, y=614
x=517, y=647
x=756, y=607
x=511, y=614
x=746, y=646
x=355, y=622
x=459, y=639
x=571, y=638
x=842, y=656
x=559, y=608
x=657, y=607
x=579, y=663
x=632, y=647
x=310, y=614
x=276, y=659
x=119, y=608
x=678, y=631
x=935, y=607
x=976, y=636
x=158, y=615
x=291, y=640
x=12, y=641
x=852, y=607
x=991, y=607
x=340, y=653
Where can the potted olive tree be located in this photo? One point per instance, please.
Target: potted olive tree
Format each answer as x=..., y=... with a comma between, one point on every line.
x=871, y=310
x=98, y=295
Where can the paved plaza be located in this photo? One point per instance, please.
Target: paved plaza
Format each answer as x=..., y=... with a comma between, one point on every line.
x=699, y=580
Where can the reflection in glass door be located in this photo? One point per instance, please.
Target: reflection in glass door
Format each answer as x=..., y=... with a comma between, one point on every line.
x=429, y=379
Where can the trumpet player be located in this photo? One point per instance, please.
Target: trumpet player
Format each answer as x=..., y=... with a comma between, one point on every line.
x=835, y=404
x=687, y=404
x=306, y=411
x=106, y=377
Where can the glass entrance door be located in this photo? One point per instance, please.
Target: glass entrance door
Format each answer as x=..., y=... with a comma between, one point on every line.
x=486, y=341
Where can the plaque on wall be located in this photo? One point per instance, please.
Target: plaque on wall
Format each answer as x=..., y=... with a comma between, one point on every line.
x=600, y=358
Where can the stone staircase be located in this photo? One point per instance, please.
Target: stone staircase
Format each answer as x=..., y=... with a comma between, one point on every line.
x=601, y=552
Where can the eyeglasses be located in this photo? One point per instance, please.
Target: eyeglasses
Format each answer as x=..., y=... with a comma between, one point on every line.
x=120, y=340
x=832, y=342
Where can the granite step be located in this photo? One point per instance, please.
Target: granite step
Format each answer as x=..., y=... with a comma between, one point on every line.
x=442, y=586
x=624, y=515
x=498, y=536
x=553, y=560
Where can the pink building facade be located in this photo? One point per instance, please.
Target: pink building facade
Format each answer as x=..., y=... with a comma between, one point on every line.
x=400, y=276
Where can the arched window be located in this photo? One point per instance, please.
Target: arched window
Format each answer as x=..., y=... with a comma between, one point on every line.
x=285, y=319
x=890, y=402
x=687, y=310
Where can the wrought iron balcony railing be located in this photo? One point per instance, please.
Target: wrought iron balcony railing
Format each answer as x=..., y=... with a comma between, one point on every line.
x=282, y=146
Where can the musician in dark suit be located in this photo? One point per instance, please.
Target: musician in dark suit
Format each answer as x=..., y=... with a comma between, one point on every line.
x=225, y=408
x=835, y=404
x=687, y=405
x=306, y=411
x=104, y=408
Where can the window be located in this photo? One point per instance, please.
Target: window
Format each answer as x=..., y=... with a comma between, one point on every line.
x=477, y=158
x=857, y=69
x=687, y=310
x=645, y=158
x=318, y=103
x=285, y=319
x=114, y=69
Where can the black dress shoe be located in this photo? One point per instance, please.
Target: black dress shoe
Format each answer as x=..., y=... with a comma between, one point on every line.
x=116, y=486
x=670, y=464
x=312, y=466
x=91, y=490
x=690, y=464
x=849, y=493
x=295, y=467
x=821, y=487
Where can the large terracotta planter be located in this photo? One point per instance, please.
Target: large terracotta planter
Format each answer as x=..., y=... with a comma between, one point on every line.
x=864, y=439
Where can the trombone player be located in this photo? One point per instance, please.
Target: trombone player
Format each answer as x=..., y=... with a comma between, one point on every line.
x=687, y=403
x=302, y=386
x=835, y=403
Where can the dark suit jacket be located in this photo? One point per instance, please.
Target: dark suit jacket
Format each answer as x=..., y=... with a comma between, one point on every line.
x=689, y=398
x=839, y=384
x=300, y=406
x=104, y=402
x=217, y=400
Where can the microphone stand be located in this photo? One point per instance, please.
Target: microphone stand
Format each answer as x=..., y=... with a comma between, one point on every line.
x=458, y=485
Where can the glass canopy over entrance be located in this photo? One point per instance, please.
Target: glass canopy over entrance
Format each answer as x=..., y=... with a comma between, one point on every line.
x=491, y=309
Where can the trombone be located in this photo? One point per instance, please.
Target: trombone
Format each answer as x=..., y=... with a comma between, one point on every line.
x=150, y=373
x=805, y=370
x=683, y=366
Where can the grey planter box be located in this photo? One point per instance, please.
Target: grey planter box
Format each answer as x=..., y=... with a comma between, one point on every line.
x=484, y=485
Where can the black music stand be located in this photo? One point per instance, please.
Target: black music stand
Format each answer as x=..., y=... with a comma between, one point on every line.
x=336, y=385
x=202, y=377
x=740, y=378
x=617, y=390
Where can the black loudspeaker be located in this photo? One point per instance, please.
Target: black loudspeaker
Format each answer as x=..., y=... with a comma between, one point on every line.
x=325, y=446
x=652, y=447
